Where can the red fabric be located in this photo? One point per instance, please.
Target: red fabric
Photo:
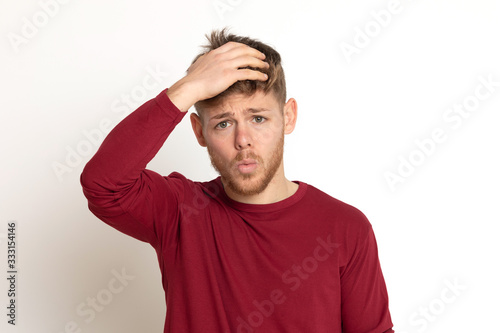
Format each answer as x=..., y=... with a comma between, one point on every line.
x=306, y=264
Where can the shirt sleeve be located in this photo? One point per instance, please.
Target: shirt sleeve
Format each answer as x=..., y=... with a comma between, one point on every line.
x=120, y=190
x=365, y=304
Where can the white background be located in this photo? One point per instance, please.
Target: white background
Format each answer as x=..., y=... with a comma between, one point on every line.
x=358, y=115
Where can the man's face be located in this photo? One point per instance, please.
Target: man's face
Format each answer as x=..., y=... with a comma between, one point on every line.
x=244, y=138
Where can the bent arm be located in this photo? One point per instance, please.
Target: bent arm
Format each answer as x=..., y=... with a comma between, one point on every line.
x=120, y=190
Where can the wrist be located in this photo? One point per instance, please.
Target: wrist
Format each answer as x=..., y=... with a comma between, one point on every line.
x=182, y=95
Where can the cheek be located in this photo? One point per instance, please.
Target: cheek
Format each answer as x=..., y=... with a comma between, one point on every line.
x=220, y=146
x=264, y=138
x=270, y=135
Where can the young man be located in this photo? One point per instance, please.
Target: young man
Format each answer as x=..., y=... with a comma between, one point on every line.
x=249, y=251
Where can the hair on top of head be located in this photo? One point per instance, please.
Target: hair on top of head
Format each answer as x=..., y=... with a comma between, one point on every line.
x=276, y=76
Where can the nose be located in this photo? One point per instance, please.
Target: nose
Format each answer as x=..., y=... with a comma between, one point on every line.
x=242, y=137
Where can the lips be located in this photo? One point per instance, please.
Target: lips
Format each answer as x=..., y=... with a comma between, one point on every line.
x=247, y=165
x=246, y=161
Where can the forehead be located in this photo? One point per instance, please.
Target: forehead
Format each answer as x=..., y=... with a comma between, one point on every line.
x=240, y=103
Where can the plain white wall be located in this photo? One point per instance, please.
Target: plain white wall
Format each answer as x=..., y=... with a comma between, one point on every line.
x=368, y=85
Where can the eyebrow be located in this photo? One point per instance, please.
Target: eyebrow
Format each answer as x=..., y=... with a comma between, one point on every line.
x=249, y=110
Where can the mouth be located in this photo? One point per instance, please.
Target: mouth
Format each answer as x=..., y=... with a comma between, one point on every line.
x=247, y=166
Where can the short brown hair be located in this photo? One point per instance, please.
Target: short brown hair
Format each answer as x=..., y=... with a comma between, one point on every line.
x=276, y=76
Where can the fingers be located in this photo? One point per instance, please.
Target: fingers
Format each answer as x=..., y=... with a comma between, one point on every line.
x=246, y=61
x=235, y=58
x=231, y=55
x=250, y=74
x=239, y=56
x=218, y=69
x=234, y=50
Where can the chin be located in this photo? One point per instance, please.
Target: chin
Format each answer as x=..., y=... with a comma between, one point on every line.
x=248, y=184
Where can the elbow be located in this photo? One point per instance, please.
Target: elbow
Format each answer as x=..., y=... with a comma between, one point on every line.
x=92, y=181
x=87, y=177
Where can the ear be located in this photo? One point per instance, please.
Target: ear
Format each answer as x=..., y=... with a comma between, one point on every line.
x=290, y=115
x=197, y=124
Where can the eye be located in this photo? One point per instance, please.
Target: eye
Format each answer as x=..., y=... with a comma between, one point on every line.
x=222, y=125
x=259, y=119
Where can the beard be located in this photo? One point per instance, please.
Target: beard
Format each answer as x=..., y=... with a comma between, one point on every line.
x=251, y=183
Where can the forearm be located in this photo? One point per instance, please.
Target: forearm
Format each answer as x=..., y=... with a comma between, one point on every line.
x=182, y=94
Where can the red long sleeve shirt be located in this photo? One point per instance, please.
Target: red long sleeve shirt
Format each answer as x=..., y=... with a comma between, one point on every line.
x=306, y=264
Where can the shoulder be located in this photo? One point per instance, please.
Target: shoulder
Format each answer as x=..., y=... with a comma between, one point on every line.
x=337, y=211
